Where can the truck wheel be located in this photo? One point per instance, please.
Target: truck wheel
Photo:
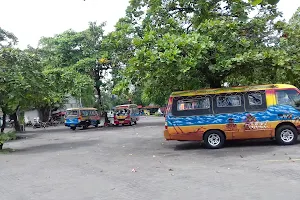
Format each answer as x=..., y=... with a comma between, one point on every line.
x=286, y=135
x=214, y=139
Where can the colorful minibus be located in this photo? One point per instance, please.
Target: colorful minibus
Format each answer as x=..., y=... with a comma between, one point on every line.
x=82, y=117
x=216, y=115
x=127, y=114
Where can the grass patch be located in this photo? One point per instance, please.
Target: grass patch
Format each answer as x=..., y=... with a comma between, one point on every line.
x=4, y=137
x=6, y=151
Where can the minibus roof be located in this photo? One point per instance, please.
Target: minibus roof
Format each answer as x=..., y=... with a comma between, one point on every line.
x=230, y=90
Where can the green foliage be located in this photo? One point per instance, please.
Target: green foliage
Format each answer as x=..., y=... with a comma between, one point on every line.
x=41, y=78
x=256, y=2
x=73, y=57
x=290, y=45
x=19, y=78
x=180, y=45
x=4, y=137
x=7, y=39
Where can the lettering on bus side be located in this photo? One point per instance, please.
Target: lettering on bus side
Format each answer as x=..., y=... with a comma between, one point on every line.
x=253, y=124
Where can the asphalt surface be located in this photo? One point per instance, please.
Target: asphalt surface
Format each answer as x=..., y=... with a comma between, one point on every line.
x=136, y=163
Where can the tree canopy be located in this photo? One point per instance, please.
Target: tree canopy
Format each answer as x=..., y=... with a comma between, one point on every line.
x=157, y=47
x=183, y=44
x=28, y=80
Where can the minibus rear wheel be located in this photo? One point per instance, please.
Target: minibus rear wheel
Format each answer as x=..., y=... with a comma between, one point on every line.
x=214, y=139
x=286, y=135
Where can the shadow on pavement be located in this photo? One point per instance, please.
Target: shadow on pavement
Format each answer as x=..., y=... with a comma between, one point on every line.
x=38, y=132
x=188, y=145
x=159, y=123
x=31, y=133
x=56, y=147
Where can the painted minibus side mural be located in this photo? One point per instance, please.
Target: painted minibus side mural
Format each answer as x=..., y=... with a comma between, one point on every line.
x=238, y=115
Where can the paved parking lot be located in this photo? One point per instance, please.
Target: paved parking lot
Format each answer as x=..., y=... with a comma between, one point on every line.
x=137, y=163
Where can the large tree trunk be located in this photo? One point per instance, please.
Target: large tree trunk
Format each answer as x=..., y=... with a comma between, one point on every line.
x=215, y=83
x=3, y=126
x=16, y=122
x=3, y=122
x=214, y=79
x=44, y=113
x=99, y=97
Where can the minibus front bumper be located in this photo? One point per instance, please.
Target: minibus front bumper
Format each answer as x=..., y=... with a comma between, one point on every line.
x=117, y=122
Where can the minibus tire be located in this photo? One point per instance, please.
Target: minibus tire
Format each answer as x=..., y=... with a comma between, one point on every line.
x=97, y=124
x=290, y=138
x=212, y=135
x=85, y=125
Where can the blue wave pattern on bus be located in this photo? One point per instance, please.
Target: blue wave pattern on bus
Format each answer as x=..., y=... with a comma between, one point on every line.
x=271, y=114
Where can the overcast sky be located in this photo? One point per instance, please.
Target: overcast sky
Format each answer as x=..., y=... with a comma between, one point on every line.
x=31, y=19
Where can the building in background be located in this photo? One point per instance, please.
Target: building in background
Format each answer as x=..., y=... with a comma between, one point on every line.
x=71, y=103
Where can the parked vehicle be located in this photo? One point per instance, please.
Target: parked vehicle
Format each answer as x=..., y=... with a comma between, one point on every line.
x=82, y=117
x=37, y=123
x=216, y=115
x=126, y=114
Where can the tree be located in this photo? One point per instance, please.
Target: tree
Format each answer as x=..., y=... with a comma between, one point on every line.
x=289, y=44
x=58, y=84
x=27, y=82
x=82, y=51
x=7, y=38
x=19, y=79
x=183, y=45
x=256, y=2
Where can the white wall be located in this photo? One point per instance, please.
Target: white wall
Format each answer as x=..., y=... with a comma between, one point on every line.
x=30, y=115
x=72, y=103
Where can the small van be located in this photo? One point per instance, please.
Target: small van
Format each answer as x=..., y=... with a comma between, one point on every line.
x=216, y=115
x=127, y=114
x=82, y=117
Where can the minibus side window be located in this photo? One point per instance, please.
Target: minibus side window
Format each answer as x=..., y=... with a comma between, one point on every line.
x=255, y=101
x=93, y=113
x=84, y=113
x=72, y=113
x=195, y=105
x=229, y=103
x=288, y=97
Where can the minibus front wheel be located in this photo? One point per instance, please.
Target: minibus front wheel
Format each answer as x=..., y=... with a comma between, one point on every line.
x=214, y=139
x=286, y=135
